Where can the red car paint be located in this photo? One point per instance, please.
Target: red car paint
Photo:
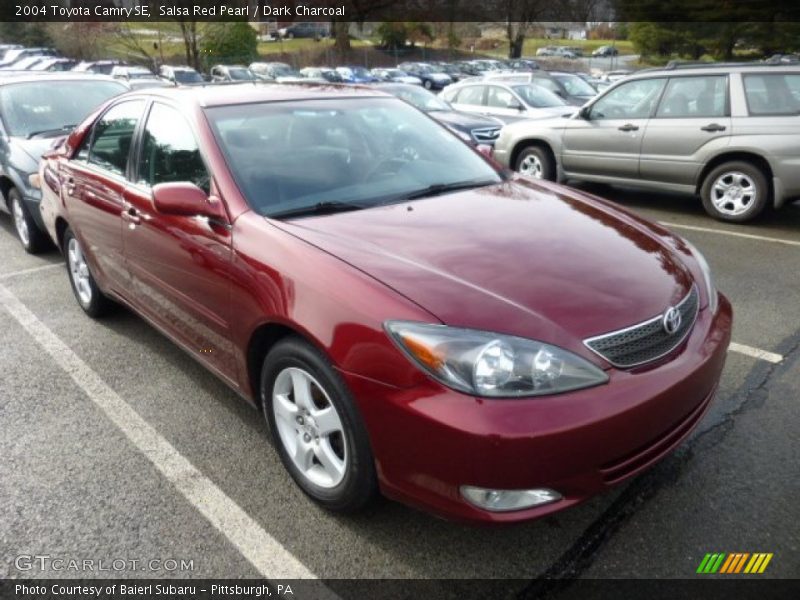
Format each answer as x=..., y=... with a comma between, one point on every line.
x=532, y=259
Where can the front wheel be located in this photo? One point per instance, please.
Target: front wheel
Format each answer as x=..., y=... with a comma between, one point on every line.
x=93, y=302
x=536, y=162
x=32, y=238
x=736, y=191
x=427, y=84
x=316, y=427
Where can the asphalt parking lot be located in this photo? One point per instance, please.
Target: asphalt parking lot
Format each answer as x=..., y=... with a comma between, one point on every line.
x=75, y=483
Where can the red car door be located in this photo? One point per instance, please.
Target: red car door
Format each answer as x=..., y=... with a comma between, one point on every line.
x=93, y=185
x=178, y=265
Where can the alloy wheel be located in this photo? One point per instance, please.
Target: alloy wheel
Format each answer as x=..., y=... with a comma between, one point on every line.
x=532, y=166
x=79, y=272
x=734, y=193
x=310, y=428
x=20, y=223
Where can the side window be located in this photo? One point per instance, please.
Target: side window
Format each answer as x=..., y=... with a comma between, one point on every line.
x=112, y=136
x=772, y=93
x=689, y=97
x=500, y=98
x=472, y=95
x=169, y=151
x=630, y=100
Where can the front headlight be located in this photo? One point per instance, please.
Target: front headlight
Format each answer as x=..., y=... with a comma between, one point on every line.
x=708, y=278
x=492, y=365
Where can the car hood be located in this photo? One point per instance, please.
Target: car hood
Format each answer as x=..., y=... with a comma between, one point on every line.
x=33, y=148
x=516, y=258
x=464, y=121
x=551, y=111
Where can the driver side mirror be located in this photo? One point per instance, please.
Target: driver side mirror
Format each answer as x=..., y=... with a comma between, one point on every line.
x=585, y=113
x=183, y=198
x=514, y=105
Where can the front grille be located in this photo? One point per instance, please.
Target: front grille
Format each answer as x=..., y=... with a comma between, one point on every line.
x=646, y=341
x=486, y=135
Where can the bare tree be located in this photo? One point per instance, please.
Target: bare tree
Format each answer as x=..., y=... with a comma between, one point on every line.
x=520, y=17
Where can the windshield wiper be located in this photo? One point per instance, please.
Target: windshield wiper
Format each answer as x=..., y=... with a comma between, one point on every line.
x=45, y=132
x=442, y=188
x=320, y=208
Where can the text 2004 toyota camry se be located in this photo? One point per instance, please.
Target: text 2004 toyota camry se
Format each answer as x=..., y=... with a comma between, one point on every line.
x=410, y=318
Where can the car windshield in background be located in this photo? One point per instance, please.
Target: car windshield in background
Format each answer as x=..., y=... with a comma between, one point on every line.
x=538, y=97
x=422, y=99
x=575, y=86
x=288, y=158
x=48, y=107
x=241, y=75
x=188, y=77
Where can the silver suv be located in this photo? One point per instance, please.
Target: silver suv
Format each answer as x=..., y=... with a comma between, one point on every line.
x=728, y=133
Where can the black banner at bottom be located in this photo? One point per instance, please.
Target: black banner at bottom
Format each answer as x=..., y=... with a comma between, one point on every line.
x=706, y=588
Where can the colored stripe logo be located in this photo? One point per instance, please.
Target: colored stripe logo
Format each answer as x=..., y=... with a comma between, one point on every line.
x=734, y=563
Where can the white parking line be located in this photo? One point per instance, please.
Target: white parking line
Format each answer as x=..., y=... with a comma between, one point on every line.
x=4, y=276
x=756, y=353
x=266, y=554
x=749, y=236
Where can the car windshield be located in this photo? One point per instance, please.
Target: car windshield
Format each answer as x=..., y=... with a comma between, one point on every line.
x=241, y=74
x=188, y=77
x=139, y=74
x=284, y=71
x=421, y=98
x=575, y=86
x=537, y=96
x=48, y=107
x=361, y=72
x=290, y=157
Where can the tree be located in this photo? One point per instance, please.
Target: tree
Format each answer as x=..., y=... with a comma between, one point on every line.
x=83, y=40
x=234, y=42
x=520, y=17
x=27, y=34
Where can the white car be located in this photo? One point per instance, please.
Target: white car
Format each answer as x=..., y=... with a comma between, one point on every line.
x=508, y=101
x=396, y=76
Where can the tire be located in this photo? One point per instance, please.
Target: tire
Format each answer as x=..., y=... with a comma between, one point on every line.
x=735, y=191
x=33, y=239
x=427, y=84
x=93, y=302
x=298, y=427
x=536, y=162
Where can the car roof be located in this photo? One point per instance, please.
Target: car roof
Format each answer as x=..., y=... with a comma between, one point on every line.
x=716, y=69
x=258, y=92
x=29, y=76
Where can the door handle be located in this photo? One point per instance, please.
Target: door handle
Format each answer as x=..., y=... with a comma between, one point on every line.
x=628, y=127
x=131, y=215
x=713, y=127
x=70, y=185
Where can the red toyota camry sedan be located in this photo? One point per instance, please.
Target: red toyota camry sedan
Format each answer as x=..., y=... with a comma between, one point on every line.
x=410, y=318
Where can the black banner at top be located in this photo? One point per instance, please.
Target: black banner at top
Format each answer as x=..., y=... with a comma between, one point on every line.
x=716, y=11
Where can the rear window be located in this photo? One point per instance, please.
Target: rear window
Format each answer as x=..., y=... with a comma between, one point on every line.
x=772, y=93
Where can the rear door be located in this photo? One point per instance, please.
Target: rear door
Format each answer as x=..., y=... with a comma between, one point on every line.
x=691, y=122
x=179, y=265
x=93, y=185
x=607, y=142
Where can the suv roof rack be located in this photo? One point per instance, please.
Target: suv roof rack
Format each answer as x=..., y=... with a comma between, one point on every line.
x=695, y=64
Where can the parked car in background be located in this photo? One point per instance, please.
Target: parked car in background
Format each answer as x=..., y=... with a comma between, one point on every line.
x=431, y=77
x=14, y=55
x=508, y=101
x=131, y=72
x=547, y=51
x=573, y=88
x=347, y=266
x=396, y=76
x=472, y=128
x=616, y=75
x=724, y=132
x=523, y=64
x=180, y=75
x=34, y=111
x=24, y=64
x=102, y=67
x=565, y=52
x=231, y=73
x=5, y=48
x=598, y=84
x=355, y=74
x=605, y=51
x=326, y=73
x=453, y=70
x=55, y=64
x=305, y=29
x=276, y=71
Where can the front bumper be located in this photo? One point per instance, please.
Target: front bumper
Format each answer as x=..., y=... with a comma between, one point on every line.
x=428, y=441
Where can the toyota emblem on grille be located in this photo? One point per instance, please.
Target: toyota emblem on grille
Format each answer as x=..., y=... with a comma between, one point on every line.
x=672, y=320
